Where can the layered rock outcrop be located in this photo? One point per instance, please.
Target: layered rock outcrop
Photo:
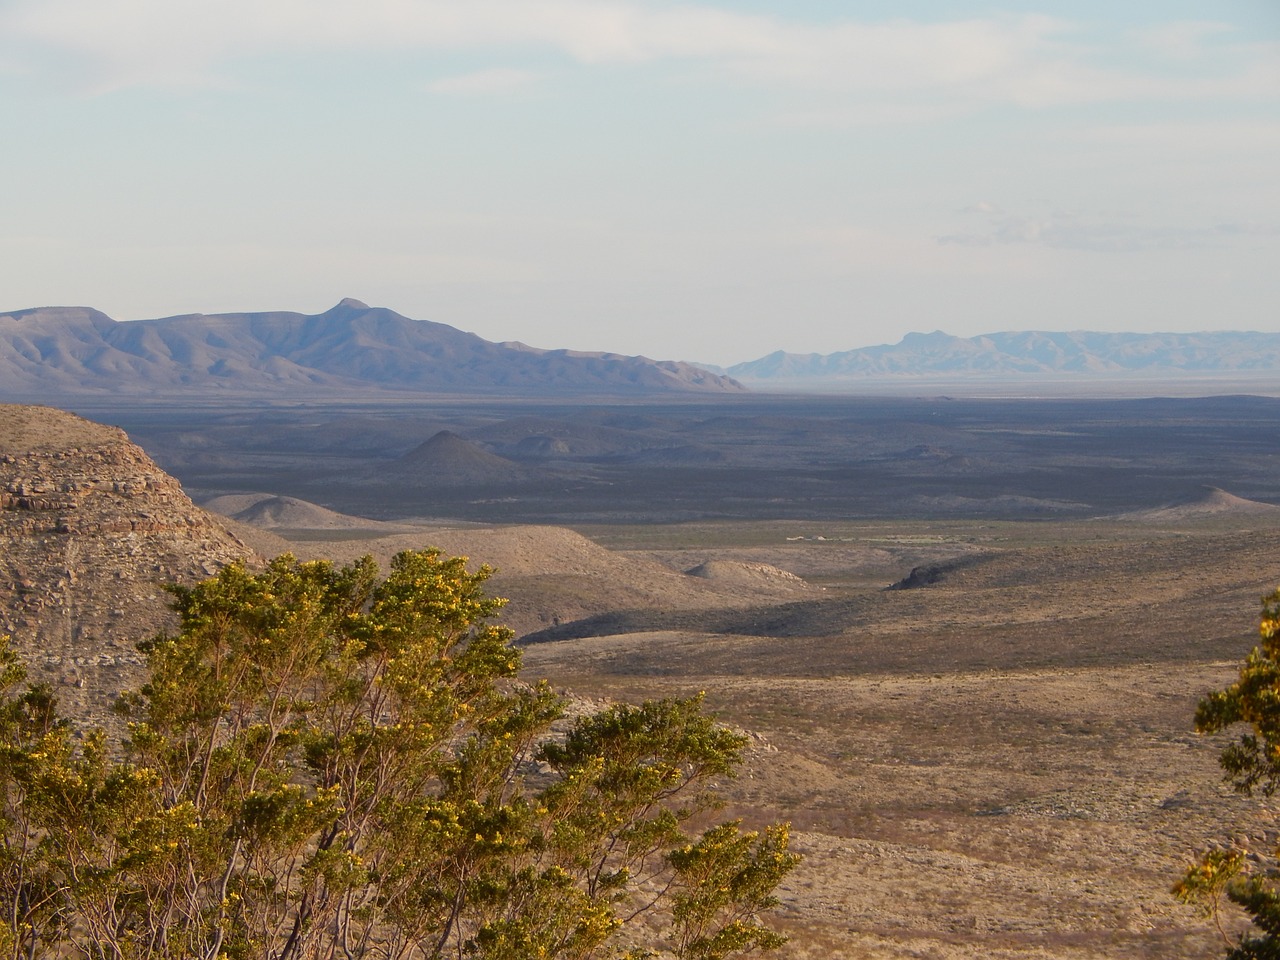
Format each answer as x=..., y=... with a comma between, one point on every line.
x=90, y=530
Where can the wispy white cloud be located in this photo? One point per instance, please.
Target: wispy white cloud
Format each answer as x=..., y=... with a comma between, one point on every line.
x=497, y=81
x=868, y=112
x=982, y=206
x=1028, y=60
x=1182, y=40
x=1073, y=232
x=1249, y=134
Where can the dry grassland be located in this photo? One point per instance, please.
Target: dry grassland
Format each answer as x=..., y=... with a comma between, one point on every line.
x=998, y=762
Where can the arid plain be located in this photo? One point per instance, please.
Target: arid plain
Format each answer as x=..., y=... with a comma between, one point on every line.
x=966, y=636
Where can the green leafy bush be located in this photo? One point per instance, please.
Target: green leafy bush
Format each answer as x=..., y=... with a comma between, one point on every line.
x=324, y=763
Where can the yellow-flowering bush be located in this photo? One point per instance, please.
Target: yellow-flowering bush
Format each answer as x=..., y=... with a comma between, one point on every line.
x=323, y=762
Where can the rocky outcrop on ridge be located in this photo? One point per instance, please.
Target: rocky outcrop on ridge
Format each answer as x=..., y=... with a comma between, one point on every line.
x=90, y=531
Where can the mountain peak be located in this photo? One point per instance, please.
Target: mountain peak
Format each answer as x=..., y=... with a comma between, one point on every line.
x=352, y=348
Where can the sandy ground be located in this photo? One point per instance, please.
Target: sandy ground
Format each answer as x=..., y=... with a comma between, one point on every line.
x=999, y=814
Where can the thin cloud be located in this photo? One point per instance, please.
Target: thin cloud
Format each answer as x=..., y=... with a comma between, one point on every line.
x=498, y=81
x=1070, y=232
x=869, y=112
x=982, y=206
x=1184, y=40
x=1033, y=61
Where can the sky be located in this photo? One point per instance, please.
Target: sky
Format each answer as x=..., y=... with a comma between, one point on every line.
x=706, y=181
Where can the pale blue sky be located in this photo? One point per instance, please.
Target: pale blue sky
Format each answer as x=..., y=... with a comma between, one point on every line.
x=708, y=181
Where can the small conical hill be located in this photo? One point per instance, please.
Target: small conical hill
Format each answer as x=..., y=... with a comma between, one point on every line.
x=1206, y=501
x=449, y=459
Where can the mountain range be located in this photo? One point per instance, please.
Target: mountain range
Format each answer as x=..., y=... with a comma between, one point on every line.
x=53, y=353
x=1077, y=354
x=57, y=352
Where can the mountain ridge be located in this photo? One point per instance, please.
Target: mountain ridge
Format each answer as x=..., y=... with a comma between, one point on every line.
x=1032, y=353
x=351, y=348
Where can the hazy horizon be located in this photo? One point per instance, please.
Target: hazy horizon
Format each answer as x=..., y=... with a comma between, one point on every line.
x=700, y=181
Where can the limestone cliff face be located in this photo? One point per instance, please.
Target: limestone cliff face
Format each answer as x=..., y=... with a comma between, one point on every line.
x=90, y=529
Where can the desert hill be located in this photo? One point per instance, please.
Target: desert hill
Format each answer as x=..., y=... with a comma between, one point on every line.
x=745, y=573
x=447, y=459
x=262, y=512
x=292, y=513
x=1207, y=501
x=551, y=575
x=351, y=349
x=89, y=531
x=538, y=438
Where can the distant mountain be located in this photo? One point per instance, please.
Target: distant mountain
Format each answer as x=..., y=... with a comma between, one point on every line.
x=1030, y=354
x=58, y=352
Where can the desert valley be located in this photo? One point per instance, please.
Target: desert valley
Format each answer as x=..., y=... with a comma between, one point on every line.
x=965, y=636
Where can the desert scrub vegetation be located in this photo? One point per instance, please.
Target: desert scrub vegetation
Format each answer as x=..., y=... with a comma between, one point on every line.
x=1248, y=878
x=327, y=763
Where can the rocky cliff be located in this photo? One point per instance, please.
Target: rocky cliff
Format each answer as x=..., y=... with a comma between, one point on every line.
x=90, y=529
